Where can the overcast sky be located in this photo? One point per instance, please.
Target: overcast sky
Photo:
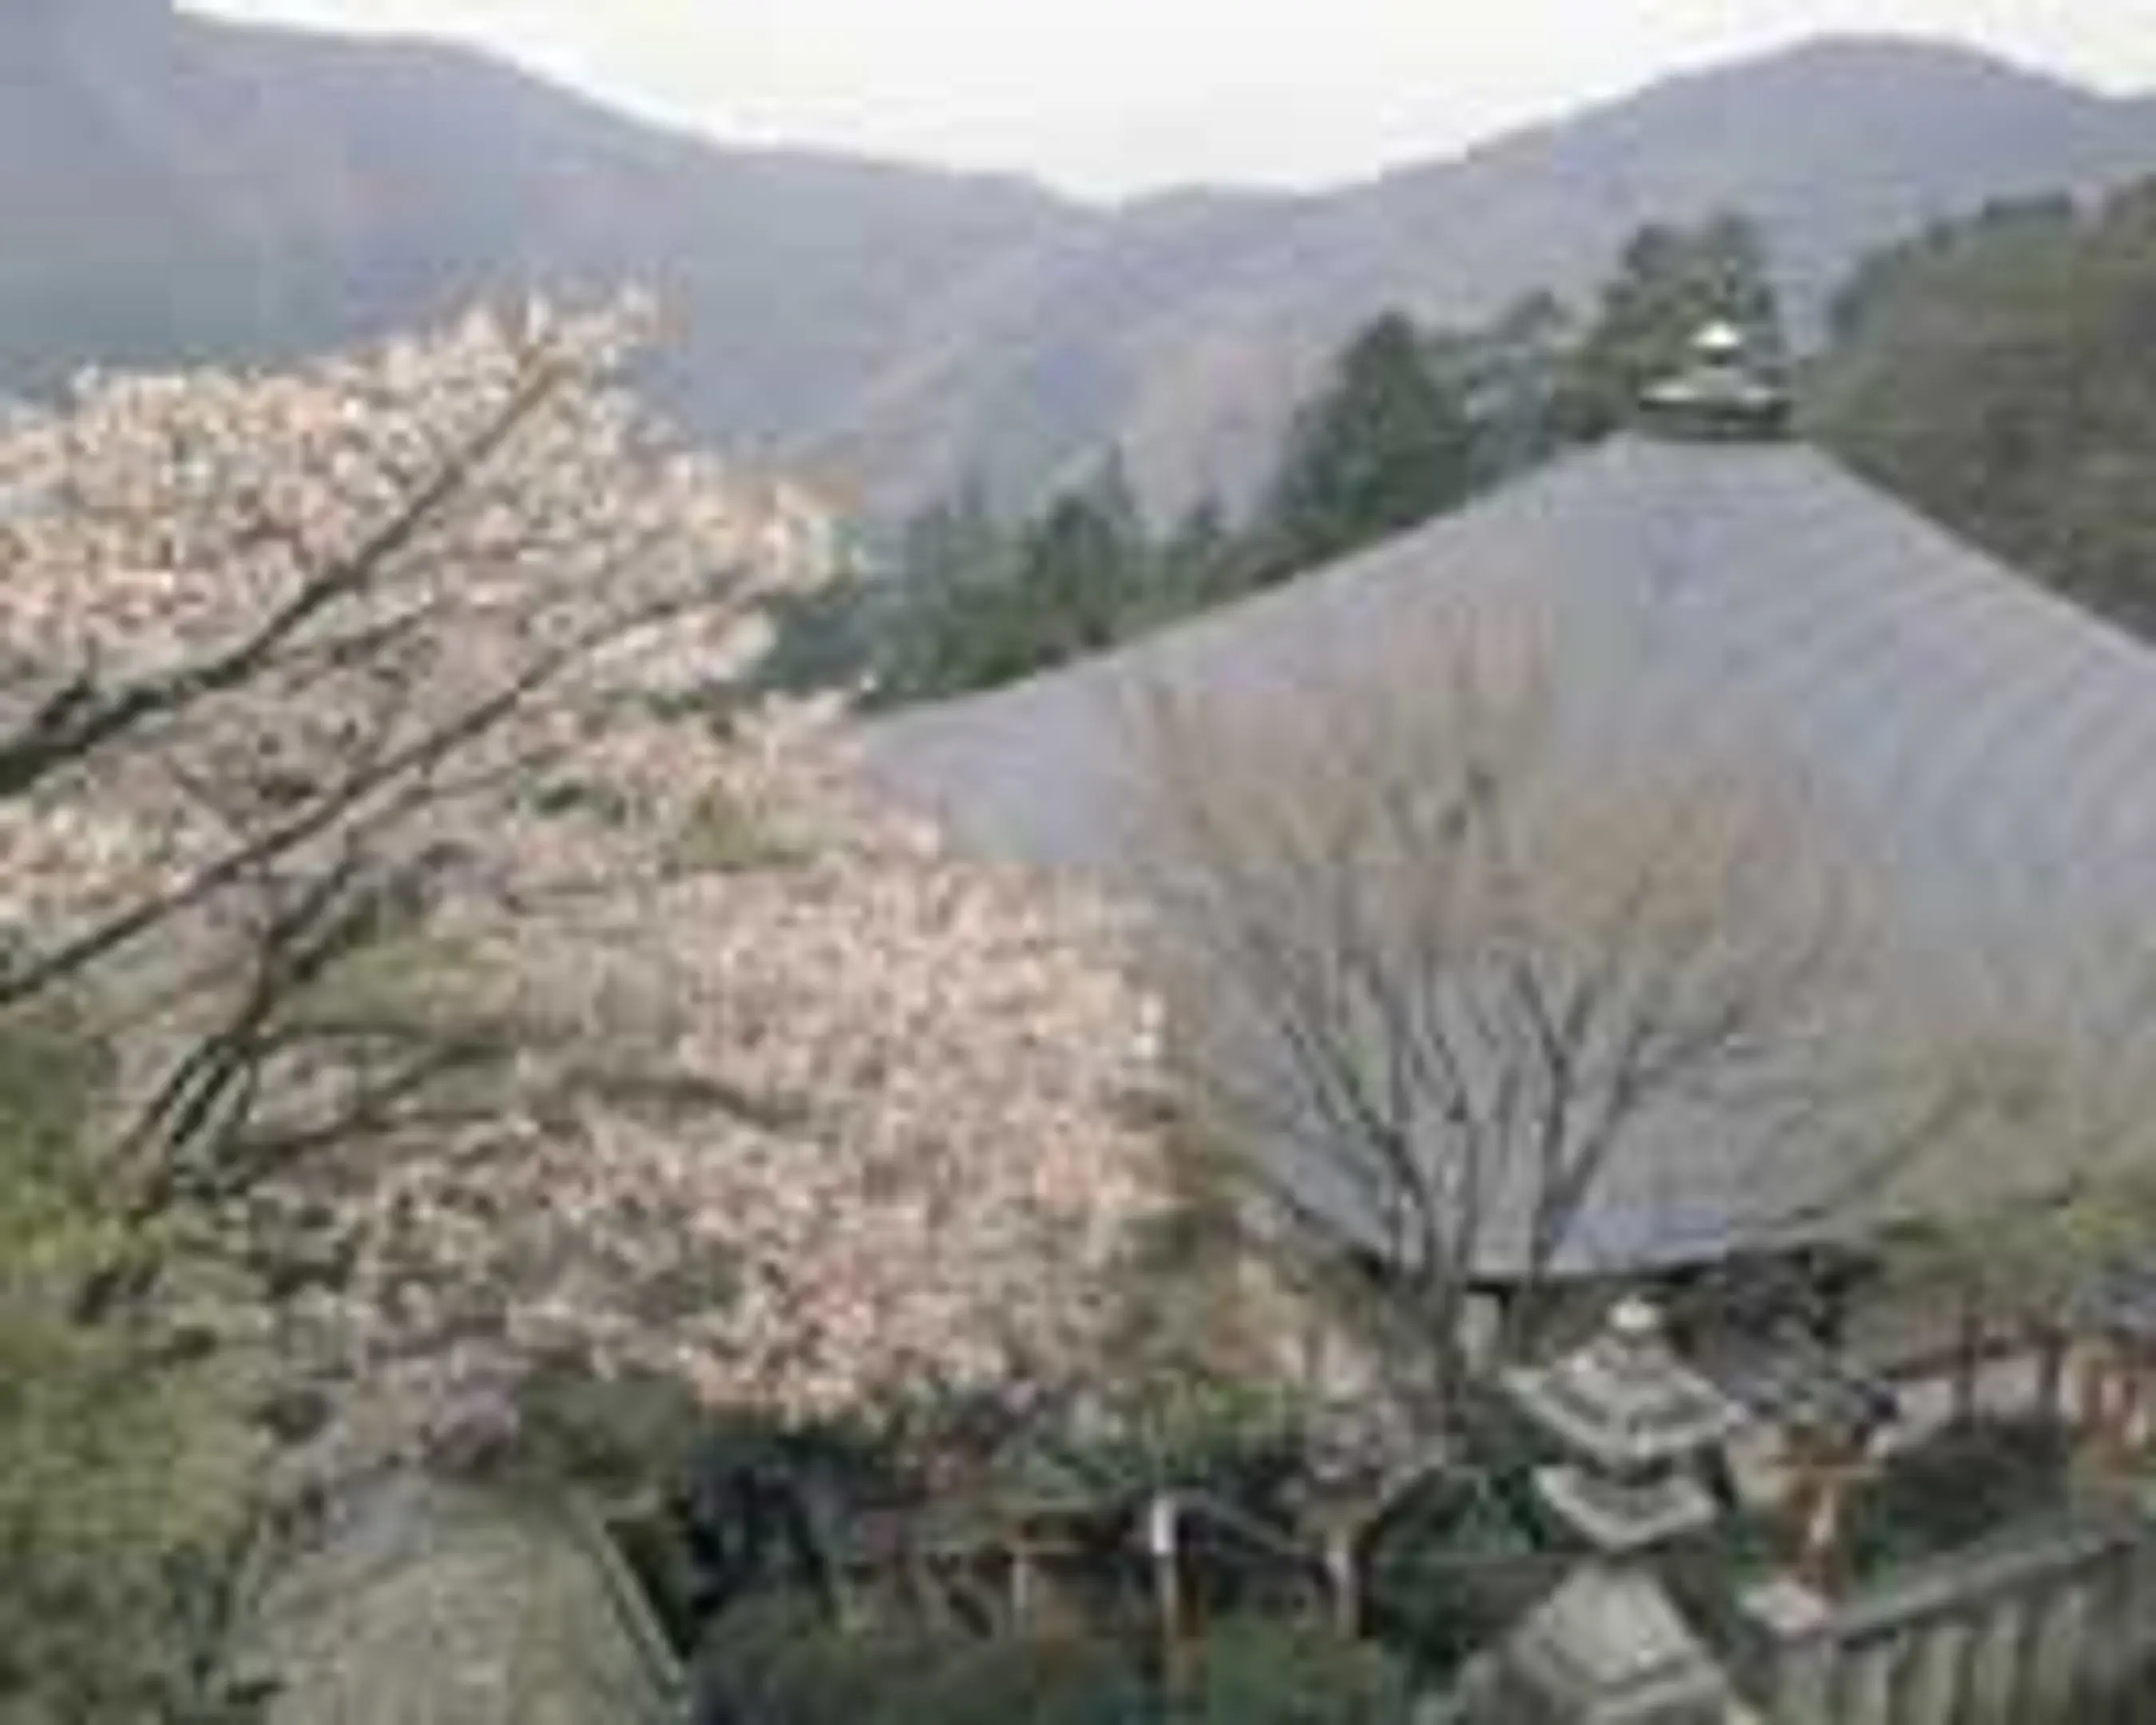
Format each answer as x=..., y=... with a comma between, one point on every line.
x=1112, y=97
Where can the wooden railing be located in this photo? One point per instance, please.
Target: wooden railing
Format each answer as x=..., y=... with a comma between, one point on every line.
x=2054, y=1628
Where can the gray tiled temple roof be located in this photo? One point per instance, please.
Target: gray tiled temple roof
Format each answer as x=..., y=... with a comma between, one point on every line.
x=1988, y=749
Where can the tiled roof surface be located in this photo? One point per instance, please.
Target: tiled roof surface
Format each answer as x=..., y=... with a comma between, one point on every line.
x=1988, y=750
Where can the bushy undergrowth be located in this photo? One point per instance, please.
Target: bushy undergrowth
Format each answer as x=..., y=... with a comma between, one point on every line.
x=124, y=1461
x=1959, y=1488
x=779, y=1664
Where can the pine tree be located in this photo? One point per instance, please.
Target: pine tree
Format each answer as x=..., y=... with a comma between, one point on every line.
x=1512, y=376
x=1083, y=564
x=1384, y=445
x=1202, y=561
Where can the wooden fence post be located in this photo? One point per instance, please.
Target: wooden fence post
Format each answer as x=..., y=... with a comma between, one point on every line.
x=1163, y=1541
x=1342, y=1580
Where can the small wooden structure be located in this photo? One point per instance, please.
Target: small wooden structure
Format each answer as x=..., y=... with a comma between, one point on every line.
x=2115, y=1389
x=1829, y=1415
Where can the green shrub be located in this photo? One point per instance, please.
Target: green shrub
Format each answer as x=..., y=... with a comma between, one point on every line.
x=779, y=1662
x=1957, y=1488
x=1245, y=1445
x=1261, y=1670
x=124, y=1467
x=1449, y=1568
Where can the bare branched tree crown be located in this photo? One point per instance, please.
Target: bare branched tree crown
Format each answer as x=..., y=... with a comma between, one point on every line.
x=1476, y=1014
x=1947, y=767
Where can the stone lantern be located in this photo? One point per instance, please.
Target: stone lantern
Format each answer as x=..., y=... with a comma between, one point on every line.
x=1609, y=1647
x=1635, y=1419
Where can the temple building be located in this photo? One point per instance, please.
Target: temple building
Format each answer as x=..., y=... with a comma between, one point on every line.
x=1980, y=753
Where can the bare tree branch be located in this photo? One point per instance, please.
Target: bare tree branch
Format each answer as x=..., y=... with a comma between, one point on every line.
x=1448, y=998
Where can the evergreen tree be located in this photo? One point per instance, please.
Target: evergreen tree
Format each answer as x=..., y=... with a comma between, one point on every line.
x=1203, y=561
x=955, y=540
x=972, y=603
x=944, y=602
x=1083, y=563
x=820, y=641
x=1386, y=444
x=1512, y=376
x=893, y=626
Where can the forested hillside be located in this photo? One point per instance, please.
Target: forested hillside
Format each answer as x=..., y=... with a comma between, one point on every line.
x=1996, y=373
x=1407, y=423
x=2000, y=373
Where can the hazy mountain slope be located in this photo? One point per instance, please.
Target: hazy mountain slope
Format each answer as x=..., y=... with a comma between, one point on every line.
x=1044, y=364
x=171, y=188
x=1836, y=147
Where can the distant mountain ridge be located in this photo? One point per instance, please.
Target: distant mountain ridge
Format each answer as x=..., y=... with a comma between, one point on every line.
x=1834, y=147
x=173, y=189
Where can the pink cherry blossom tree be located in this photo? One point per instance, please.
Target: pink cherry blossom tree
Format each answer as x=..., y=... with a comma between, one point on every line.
x=468, y=970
